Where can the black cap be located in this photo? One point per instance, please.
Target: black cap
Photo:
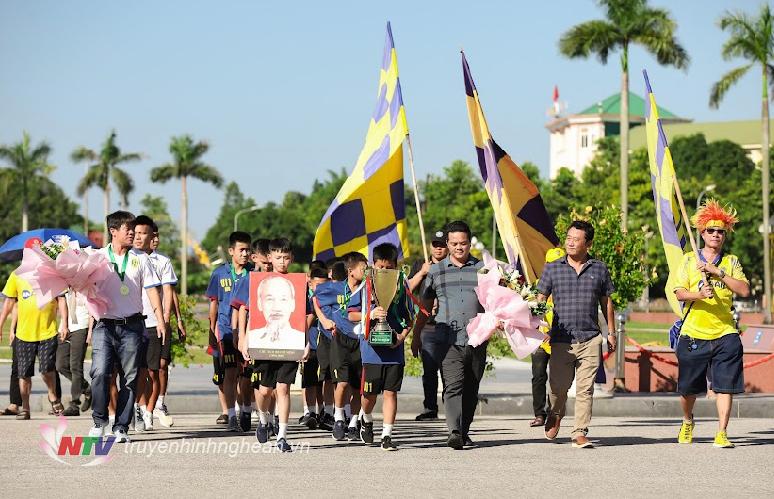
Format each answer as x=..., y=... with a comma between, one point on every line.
x=438, y=237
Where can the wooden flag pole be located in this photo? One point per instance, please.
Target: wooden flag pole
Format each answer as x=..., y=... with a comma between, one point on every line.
x=416, y=197
x=687, y=222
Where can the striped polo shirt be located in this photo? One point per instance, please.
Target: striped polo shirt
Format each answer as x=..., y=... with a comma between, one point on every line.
x=457, y=300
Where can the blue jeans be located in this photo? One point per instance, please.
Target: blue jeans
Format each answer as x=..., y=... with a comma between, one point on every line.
x=111, y=344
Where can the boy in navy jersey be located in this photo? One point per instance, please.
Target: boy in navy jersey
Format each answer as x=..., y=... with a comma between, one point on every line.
x=383, y=365
x=333, y=299
x=222, y=283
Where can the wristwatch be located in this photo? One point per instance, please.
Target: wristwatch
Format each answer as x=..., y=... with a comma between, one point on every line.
x=722, y=274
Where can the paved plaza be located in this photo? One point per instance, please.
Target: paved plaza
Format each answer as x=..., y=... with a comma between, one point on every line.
x=634, y=457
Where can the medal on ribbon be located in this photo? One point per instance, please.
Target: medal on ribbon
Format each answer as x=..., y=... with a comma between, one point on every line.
x=121, y=273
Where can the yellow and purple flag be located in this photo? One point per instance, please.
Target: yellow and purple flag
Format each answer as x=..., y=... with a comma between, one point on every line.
x=370, y=207
x=671, y=225
x=522, y=219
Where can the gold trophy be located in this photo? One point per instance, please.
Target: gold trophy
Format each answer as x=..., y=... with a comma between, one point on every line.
x=385, y=286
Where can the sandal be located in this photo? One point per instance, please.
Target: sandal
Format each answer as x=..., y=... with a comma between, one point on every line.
x=23, y=415
x=56, y=407
x=9, y=412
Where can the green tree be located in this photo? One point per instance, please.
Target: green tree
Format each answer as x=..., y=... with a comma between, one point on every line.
x=169, y=237
x=26, y=164
x=752, y=39
x=621, y=252
x=559, y=193
x=216, y=237
x=50, y=207
x=186, y=162
x=458, y=195
x=628, y=22
x=102, y=168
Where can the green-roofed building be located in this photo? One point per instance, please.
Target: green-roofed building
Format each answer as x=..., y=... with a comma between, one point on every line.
x=573, y=136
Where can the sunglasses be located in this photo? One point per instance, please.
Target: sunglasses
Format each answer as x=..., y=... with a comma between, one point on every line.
x=722, y=232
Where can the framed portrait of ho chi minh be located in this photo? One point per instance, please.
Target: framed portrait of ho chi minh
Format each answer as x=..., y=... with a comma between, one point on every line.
x=276, y=329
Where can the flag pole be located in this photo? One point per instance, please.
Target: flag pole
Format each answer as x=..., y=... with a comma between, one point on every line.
x=416, y=197
x=522, y=257
x=680, y=202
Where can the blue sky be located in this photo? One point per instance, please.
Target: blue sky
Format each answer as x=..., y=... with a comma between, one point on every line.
x=284, y=91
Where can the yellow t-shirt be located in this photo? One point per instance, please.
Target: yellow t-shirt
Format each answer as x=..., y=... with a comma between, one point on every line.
x=33, y=324
x=709, y=318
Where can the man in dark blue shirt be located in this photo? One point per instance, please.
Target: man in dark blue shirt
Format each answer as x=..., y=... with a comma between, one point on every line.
x=578, y=285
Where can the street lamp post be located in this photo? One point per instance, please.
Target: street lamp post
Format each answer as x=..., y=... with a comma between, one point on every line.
x=242, y=212
x=708, y=188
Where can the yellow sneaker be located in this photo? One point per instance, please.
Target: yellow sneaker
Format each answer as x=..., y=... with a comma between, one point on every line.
x=686, y=432
x=721, y=441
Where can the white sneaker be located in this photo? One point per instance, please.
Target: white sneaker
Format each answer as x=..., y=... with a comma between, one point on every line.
x=98, y=430
x=147, y=419
x=138, y=423
x=122, y=437
x=600, y=392
x=163, y=415
x=254, y=417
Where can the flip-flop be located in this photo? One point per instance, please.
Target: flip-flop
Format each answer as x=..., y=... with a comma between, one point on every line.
x=9, y=412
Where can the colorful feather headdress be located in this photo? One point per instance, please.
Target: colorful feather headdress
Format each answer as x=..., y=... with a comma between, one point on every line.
x=712, y=215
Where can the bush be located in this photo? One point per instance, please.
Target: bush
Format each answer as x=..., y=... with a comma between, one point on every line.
x=197, y=331
x=622, y=252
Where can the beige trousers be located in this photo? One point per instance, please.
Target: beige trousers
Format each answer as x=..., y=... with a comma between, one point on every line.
x=579, y=361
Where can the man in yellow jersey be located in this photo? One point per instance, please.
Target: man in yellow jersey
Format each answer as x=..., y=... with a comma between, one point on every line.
x=708, y=338
x=35, y=336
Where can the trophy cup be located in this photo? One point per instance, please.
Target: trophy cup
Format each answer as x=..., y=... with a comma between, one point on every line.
x=385, y=286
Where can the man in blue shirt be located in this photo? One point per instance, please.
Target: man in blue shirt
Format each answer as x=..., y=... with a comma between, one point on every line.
x=222, y=322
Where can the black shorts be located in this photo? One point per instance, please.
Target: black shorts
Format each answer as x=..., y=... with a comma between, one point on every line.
x=229, y=353
x=324, y=358
x=724, y=356
x=345, y=360
x=270, y=372
x=380, y=377
x=157, y=351
x=27, y=350
x=218, y=370
x=310, y=372
x=142, y=352
x=246, y=370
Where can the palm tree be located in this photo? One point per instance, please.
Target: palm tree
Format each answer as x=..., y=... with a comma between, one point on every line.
x=26, y=163
x=627, y=22
x=103, y=167
x=752, y=39
x=186, y=162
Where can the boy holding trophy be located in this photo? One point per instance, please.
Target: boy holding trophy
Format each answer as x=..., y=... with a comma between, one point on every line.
x=387, y=315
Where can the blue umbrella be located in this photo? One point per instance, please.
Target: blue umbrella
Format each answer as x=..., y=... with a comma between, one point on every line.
x=13, y=248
